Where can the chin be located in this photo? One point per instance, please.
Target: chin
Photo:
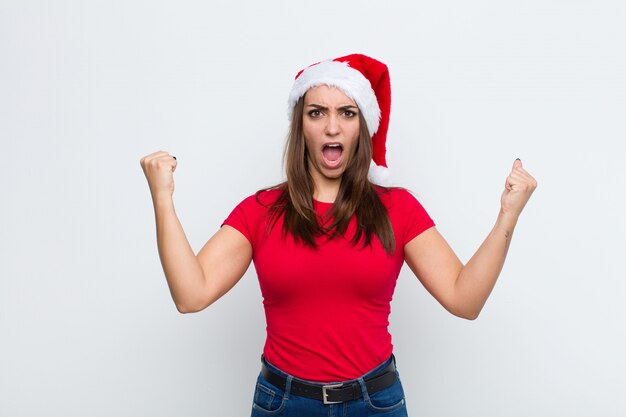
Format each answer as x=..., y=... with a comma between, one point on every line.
x=335, y=174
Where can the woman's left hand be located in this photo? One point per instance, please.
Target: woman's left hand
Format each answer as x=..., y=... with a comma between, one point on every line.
x=518, y=188
x=463, y=289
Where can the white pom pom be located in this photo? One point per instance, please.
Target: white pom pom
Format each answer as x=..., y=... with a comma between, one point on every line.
x=379, y=175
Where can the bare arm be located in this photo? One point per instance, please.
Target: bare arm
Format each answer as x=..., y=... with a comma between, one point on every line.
x=195, y=282
x=464, y=289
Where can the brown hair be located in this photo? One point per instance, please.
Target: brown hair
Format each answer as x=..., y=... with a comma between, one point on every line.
x=357, y=196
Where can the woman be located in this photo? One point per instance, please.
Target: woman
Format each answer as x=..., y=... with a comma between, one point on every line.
x=328, y=245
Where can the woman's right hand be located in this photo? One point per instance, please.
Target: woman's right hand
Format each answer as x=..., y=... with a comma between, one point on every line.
x=159, y=168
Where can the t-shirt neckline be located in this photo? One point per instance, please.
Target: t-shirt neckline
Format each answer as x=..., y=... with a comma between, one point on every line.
x=324, y=203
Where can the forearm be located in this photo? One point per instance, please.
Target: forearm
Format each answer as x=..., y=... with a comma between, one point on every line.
x=478, y=277
x=464, y=289
x=182, y=269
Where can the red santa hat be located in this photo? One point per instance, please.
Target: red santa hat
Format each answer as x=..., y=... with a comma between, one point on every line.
x=366, y=81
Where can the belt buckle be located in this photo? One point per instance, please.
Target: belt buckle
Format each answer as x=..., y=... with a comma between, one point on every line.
x=325, y=394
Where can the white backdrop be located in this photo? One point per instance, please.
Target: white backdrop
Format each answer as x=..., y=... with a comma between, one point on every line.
x=87, y=88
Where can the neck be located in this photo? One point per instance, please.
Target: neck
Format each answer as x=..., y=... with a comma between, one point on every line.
x=326, y=189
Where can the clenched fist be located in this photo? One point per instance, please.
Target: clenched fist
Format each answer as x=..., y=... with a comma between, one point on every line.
x=159, y=168
x=518, y=188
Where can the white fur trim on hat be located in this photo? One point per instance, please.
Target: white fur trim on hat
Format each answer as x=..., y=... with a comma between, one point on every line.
x=379, y=175
x=351, y=81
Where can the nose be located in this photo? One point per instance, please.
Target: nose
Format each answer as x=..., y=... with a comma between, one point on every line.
x=332, y=125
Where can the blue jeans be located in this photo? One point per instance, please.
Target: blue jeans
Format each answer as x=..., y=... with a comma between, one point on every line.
x=270, y=400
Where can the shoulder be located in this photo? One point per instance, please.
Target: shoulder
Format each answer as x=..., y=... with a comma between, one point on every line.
x=267, y=197
x=250, y=214
x=406, y=213
x=262, y=199
x=401, y=203
x=393, y=197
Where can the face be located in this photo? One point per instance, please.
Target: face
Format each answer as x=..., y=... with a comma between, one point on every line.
x=330, y=123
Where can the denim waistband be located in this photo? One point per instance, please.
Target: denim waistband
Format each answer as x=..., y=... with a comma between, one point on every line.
x=365, y=376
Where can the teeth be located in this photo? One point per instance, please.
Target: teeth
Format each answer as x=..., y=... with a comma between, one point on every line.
x=334, y=145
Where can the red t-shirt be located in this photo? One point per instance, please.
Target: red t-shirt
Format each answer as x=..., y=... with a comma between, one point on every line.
x=327, y=309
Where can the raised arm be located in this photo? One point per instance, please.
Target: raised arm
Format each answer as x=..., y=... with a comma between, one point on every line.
x=464, y=289
x=195, y=282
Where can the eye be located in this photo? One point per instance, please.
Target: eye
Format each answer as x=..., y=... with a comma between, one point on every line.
x=315, y=113
x=349, y=114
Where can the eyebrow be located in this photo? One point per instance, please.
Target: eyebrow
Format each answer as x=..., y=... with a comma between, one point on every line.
x=320, y=107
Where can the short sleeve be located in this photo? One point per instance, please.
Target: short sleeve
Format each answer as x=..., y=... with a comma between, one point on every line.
x=250, y=216
x=240, y=217
x=417, y=219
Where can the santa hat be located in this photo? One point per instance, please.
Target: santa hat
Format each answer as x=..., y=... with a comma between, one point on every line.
x=366, y=81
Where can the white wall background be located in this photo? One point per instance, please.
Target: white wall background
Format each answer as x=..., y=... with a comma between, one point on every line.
x=88, y=88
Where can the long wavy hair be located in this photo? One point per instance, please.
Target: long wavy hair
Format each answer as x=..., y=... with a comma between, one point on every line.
x=357, y=196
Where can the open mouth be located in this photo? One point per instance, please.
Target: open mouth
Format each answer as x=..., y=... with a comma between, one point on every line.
x=332, y=154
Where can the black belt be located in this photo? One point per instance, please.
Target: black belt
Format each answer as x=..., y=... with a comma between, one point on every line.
x=334, y=393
